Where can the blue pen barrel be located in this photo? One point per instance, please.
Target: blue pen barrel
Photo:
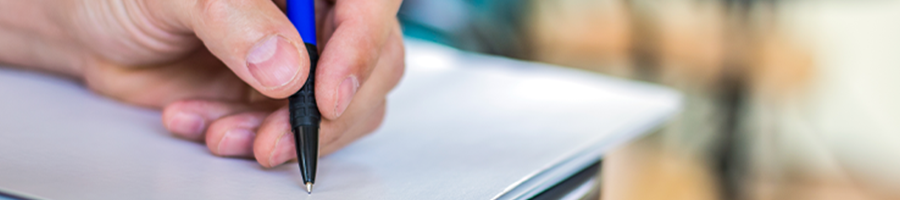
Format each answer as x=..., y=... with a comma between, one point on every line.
x=302, y=14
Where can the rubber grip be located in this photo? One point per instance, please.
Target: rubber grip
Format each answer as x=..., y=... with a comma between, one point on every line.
x=303, y=108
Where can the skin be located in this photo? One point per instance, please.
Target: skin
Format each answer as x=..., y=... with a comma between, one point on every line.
x=219, y=70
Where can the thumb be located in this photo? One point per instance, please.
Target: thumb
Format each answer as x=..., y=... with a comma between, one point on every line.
x=252, y=37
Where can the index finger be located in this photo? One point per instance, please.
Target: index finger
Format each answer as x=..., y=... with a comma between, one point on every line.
x=361, y=29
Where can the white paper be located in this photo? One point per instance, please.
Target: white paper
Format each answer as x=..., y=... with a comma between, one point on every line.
x=459, y=126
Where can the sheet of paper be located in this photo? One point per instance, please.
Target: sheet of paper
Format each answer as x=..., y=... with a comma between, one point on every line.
x=459, y=126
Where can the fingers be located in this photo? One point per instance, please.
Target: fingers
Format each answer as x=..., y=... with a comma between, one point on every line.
x=370, y=124
x=252, y=37
x=233, y=136
x=361, y=62
x=274, y=143
x=190, y=118
x=372, y=95
x=361, y=31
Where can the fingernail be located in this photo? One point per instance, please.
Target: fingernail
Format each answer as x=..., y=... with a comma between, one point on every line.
x=345, y=94
x=236, y=142
x=189, y=125
x=283, y=151
x=273, y=61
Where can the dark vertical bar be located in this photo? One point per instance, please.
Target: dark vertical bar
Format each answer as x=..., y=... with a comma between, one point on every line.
x=305, y=118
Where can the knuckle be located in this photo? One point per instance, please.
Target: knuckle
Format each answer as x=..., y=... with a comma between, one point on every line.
x=214, y=9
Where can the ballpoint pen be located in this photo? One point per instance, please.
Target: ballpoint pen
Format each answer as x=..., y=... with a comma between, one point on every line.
x=304, y=113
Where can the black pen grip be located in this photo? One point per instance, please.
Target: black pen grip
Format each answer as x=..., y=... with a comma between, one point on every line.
x=303, y=108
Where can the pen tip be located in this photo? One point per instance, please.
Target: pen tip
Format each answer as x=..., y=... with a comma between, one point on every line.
x=308, y=188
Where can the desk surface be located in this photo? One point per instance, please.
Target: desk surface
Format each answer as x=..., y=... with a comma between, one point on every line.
x=459, y=126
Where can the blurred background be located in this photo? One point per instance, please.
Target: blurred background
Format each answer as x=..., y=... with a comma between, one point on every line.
x=785, y=99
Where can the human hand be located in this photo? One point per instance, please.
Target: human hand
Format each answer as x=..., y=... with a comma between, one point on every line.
x=221, y=69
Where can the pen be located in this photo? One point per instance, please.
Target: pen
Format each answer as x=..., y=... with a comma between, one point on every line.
x=305, y=116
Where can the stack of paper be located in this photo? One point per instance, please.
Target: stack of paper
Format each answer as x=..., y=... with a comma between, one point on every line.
x=459, y=126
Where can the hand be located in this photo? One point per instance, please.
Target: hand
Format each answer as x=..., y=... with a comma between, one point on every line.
x=221, y=69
